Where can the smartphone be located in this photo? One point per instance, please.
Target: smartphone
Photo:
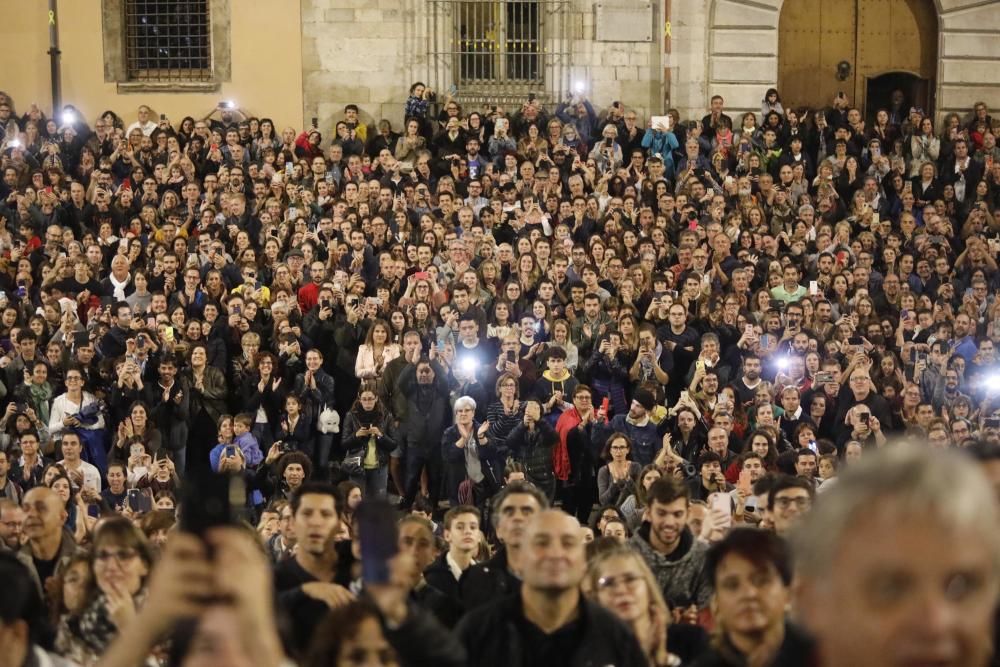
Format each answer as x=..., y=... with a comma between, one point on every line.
x=775, y=304
x=813, y=446
x=855, y=340
x=22, y=290
x=139, y=501
x=137, y=449
x=904, y=314
x=748, y=329
x=140, y=342
x=168, y=334
x=531, y=97
x=107, y=301
x=511, y=356
x=379, y=539
x=288, y=168
x=209, y=500
x=163, y=116
x=421, y=275
x=81, y=339
x=744, y=484
x=722, y=503
x=229, y=451
x=605, y=403
x=991, y=422
x=824, y=377
x=315, y=121
x=813, y=288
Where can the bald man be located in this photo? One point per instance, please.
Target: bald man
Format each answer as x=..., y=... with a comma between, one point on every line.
x=45, y=540
x=549, y=622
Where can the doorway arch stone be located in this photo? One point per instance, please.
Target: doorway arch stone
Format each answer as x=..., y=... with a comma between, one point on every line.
x=739, y=46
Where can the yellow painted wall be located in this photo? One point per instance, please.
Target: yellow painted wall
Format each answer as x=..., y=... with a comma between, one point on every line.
x=266, y=39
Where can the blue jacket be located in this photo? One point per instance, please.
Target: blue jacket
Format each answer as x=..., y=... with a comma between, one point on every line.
x=645, y=439
x=663, y=144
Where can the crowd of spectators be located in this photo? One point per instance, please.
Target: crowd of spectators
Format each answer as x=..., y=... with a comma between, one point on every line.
x=602, y=366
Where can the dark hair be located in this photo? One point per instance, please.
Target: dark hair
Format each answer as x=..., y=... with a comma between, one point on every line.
x=982, y=451
x=119, y=530
x=339, y=625
x=785, y=482
x=666, y=490
x=316, y=488
x=519, y=486
x=760, y=547
x=22, y=601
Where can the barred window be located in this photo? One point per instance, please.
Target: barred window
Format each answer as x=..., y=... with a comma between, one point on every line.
x=168, y=40
x=499, y=47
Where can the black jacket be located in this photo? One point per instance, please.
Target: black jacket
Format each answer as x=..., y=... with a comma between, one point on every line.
x=494, y=635
x=439, y=575
x=485, y=582
x=428, y=411
x=796, y=651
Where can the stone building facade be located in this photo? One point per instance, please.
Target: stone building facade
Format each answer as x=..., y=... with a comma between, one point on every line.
x=660, y=54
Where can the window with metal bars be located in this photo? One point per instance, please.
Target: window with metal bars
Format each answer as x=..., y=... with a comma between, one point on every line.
x=498, y=40
x=499, y=49
x=168, y=40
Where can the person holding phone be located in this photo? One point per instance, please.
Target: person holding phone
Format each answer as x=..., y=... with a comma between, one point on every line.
x=369, y=438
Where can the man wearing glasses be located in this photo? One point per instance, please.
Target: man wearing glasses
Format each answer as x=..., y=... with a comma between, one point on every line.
x=790, y=499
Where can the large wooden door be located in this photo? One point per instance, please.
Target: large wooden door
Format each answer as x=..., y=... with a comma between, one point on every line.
x=872, y=36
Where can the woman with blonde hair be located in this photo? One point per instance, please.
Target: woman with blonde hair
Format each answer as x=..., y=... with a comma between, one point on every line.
x=620, y=581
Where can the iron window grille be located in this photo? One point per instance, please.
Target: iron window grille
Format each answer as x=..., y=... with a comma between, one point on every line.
x=495, y=49
x=168, y=40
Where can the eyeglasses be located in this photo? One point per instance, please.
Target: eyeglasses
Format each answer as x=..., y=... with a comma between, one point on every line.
x=630, y=580
x=618, y=448
x=119, y=555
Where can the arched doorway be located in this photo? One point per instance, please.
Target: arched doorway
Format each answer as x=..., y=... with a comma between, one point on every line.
x=831, y=46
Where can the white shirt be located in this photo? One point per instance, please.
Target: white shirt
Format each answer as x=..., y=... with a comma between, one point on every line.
x=456, y=571
x=91, y=475
x=147, y=129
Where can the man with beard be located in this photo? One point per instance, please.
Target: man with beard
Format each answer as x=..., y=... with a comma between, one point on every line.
x=668, y=546
x=307, y=583
x=746, y=385
x=637, y=425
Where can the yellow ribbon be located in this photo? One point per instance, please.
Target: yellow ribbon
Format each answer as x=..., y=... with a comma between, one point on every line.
x=666, y=29
x=52, y=17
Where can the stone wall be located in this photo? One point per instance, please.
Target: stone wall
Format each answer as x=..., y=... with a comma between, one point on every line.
x=368, y=52
x=356, y=51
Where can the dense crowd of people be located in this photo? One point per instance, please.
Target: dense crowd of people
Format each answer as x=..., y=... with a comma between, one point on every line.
x=539, y=386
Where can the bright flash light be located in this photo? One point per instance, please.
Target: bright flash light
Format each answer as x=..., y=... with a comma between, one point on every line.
x=469, y=365
x=68, y=117
x=579, y=87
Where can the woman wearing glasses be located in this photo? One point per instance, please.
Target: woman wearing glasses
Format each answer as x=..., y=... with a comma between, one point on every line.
x=120, y=562
x=620, y=581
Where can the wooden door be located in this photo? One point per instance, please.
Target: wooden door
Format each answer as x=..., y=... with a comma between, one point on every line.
x=813, y=37
x=872, y=36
